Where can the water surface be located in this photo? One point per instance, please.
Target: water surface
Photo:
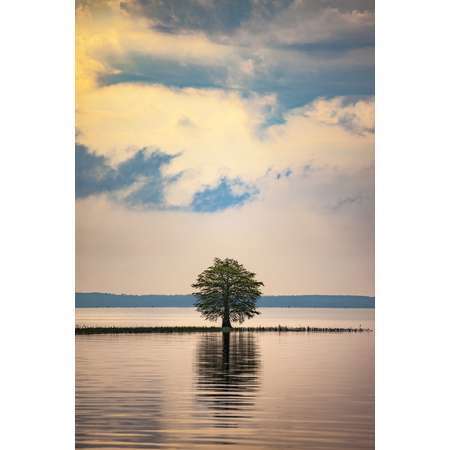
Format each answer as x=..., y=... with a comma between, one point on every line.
x=320, y=317
x=207, y=390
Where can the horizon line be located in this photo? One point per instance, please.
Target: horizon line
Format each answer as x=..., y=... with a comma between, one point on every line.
x=264, y=295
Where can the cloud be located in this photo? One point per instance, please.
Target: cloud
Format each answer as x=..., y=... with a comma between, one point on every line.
x=346, y=201
x=271, y=22
x=357, y=117
x=324, y=191
x=106, y=34
x=138, y=182
x=214, y=16
x=295, y=78
x=229, y=139
x=309, y=22
x=297, y=50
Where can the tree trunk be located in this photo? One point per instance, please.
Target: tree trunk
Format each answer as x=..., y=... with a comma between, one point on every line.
x=226, y=312
x=226, y=320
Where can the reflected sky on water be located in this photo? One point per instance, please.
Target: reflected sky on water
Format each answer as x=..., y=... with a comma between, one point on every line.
x=313, y=317
x=247, y=390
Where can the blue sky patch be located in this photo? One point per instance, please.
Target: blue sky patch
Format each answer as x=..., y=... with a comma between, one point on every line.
x=293, y=86
x=228, y=193
x=138, y=182
x=142, y=68
x=142, y=173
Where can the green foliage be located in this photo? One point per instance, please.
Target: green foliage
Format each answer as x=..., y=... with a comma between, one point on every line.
x=227, y=290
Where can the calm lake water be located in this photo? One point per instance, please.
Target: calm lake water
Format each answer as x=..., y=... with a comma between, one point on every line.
x=207, y=390
x=326, y=317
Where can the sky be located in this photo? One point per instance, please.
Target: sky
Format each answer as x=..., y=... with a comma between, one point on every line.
x=241, y=129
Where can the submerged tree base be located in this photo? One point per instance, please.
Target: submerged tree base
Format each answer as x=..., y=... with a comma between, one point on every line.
x=180, y=329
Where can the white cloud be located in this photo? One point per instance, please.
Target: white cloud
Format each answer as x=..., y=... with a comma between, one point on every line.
x=358, y=117
x=258, y=46
x=226, y=140
x=112, y=32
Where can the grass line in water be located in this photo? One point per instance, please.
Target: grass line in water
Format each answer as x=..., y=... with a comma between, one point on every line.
x=181, y=329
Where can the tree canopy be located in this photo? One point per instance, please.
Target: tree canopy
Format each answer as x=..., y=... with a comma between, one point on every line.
x=227, y=290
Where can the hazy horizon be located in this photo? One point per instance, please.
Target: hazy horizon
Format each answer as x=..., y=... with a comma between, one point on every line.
x=263, y=295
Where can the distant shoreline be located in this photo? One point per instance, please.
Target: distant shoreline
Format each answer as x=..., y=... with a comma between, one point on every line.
x=284, y=307
x=105, y=300
x=193, y=329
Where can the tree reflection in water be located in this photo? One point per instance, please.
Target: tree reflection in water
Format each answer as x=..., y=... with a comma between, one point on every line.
x=228, y=376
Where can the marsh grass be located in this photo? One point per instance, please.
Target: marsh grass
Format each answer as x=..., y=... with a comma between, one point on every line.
x=193, y=329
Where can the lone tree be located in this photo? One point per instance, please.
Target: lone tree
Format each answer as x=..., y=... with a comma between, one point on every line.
x=228, y=290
